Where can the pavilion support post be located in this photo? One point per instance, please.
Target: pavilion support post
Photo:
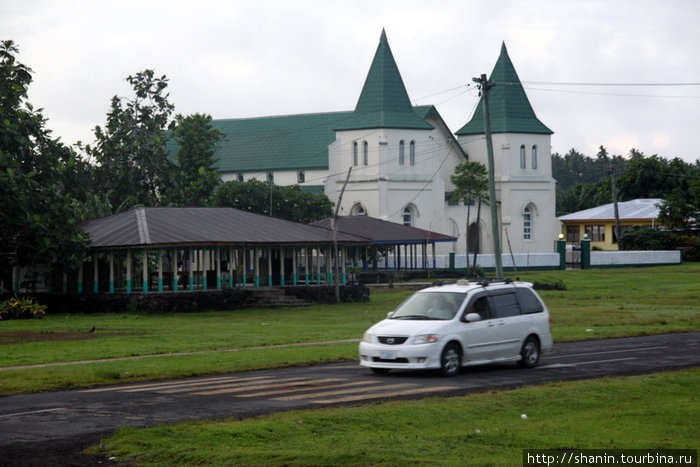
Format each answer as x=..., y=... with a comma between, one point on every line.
x=190, y=267
x=328, y=257
x=269, y=266
x=206, y=259
x=160, y=270
x=95, y=272
x=318, y=266
x=144, y=268
x=256, y=262
x=244, y=268
x=231, y=269
x=306, y=265
x=217, y=258
x=343, y=272
x=295, y=273
x=111, y=272
x=282, y=255
x=173, y=267
x=80, y=278
x=129, y=260
x=434, y=258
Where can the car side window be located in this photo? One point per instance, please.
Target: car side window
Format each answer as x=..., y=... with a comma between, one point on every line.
x=481, y=306
x=504, y=305
x=528, y=301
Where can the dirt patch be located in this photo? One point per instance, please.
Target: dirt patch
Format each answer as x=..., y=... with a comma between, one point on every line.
x=21, y=337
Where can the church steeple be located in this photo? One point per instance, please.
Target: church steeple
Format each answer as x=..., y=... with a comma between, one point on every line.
x=384, y=102
x=509, y=106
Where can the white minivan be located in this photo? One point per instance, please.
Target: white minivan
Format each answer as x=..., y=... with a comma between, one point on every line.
x=447, y=327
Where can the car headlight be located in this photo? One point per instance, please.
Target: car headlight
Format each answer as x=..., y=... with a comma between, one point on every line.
x=369, y=338
x=425, y=339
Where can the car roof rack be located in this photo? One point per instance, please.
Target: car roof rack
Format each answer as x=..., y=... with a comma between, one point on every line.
x=487, y=282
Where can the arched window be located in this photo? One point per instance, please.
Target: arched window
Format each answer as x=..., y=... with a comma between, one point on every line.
x=408, y=216
x=301, y=177
x=412, y=152
x=401, y=153
x=527, y=223
x=358, y=210
x=365, y=153
x=522, y=156
x=354, y=154
x=534, y=157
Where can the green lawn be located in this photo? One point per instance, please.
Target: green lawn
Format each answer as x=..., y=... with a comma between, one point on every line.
x=596, y=304
x=658, y=411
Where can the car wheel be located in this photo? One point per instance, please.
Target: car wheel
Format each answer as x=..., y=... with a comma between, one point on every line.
x=451, y=360
x=530, y=353
x=380, y=371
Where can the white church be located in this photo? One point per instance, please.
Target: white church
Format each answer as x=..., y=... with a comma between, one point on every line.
x=401, y=157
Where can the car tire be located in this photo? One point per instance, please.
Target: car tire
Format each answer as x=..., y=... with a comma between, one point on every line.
x=530, y=353
x=451, y=360
x=380, y=371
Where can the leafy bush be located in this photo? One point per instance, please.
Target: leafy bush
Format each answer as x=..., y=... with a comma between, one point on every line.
x=21, y=308
x=646, y=238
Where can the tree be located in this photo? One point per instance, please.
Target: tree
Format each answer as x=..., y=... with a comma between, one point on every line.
x=39, y=214
x=286, y=202
x=197, y=176
x=133, y=167
x=471, y=183
x=676, y=211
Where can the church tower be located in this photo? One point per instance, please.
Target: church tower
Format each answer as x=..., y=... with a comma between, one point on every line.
x=525, y=189
x=395, y=151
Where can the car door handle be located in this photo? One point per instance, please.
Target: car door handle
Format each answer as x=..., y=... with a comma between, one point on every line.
x=501, y=323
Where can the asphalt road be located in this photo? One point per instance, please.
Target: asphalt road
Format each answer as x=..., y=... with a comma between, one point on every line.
x=53, y=427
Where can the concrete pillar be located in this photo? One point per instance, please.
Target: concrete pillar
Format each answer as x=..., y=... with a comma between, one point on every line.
x=160, y=270
x=145, y=271
x=561, y=249
x=111, y=272
x=129, y=260
x=95, y=272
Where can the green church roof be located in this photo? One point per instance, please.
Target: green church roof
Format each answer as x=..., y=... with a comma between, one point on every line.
x=509, y=107
x=384, y=102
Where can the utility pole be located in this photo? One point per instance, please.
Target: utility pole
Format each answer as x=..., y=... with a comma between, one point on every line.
x=614, y=196
x=334, y=228
x=484, y=86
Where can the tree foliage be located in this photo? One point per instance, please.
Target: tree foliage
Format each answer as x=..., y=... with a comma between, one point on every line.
x=130, y=151
x=197, y=176
x=286, y=202
x=38, y=206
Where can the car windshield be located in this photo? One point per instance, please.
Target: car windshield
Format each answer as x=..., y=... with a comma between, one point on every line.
x=429, y=305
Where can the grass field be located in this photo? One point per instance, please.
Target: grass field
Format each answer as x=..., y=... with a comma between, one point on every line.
x=658, y=411
x=596, y=304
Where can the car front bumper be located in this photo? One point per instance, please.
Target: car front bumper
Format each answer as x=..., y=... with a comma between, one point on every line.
x=404, y=356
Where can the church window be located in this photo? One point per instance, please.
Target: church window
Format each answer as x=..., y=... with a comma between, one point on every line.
x=527, y=224
x=365, y=153
x=301, y=177
x=239, y=177
x=354, y=154
x=522, y=156
x=408, y=216
x=534, y=157
x=401, y=152
x=412, y=152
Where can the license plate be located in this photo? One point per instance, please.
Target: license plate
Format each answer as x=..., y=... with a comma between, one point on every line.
x=387, y=356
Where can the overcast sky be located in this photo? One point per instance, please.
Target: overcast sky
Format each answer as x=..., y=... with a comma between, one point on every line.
x=248, y=58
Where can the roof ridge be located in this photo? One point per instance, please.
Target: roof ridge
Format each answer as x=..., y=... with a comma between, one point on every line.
x=142, y=225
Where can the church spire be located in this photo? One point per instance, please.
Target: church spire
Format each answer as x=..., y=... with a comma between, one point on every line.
x=509, y=106
x=384, y=102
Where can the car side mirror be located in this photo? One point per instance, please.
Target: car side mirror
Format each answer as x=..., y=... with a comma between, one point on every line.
x=471, y=317
x=388, y=315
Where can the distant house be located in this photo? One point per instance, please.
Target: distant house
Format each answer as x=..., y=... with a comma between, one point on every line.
x=599, y=222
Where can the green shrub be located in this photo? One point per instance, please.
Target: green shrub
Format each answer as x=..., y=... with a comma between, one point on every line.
x=21, y=308
x=646, y=238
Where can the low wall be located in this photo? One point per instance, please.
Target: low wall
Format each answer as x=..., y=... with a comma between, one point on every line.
x=602, y=259
x=523, y=261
